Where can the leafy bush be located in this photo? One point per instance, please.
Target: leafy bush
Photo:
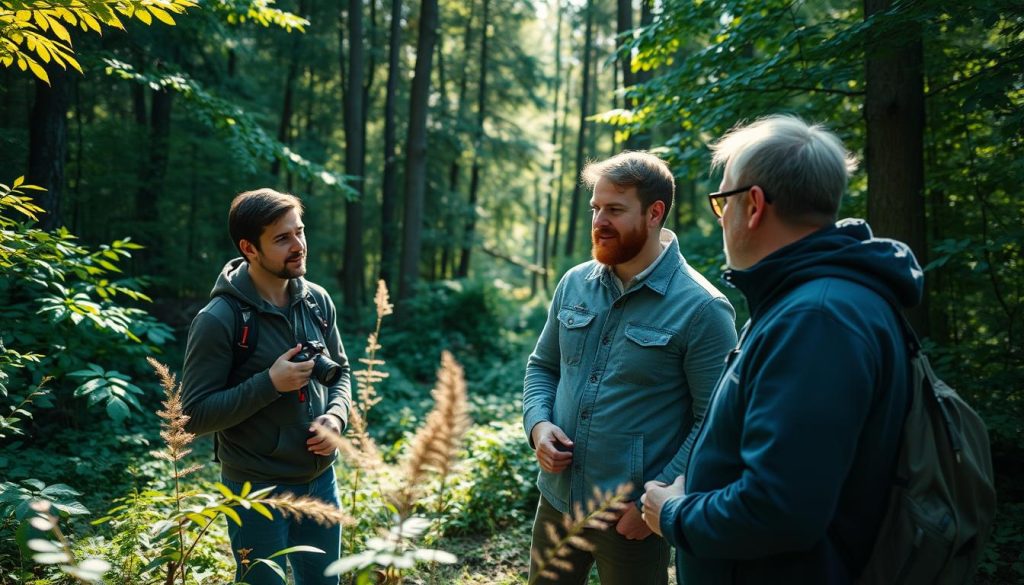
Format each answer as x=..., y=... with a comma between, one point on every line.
x=63, y=315
x=495, y=485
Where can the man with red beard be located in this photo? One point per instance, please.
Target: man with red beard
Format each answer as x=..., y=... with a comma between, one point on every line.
x=263, y=404
x=633, y=345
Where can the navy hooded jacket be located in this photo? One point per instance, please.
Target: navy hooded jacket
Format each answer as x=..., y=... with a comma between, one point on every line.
x=789, y=477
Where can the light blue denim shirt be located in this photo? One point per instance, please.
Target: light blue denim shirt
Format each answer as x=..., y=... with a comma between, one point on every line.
x=626, y=375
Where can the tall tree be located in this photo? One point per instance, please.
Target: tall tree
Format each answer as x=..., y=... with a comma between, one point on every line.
x=894, y=151
x=581, y=141
x=625, y=26
x=48, y=143
x=554, y=171
x=389, y=188
x=354, y=265
x=416, y=151
x=469, y=235
x=284, y=127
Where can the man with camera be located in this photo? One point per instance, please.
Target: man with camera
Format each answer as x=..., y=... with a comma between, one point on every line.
x=264, y=361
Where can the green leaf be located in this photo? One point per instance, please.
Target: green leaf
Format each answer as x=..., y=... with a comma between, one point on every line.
x=229, y=513
x=273, y=566
x=294, y=549
x=117, y=409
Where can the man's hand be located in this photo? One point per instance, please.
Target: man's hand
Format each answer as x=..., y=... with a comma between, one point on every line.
x=654, y=499
x=288, y=376
x=631, y=525
x=553, y=447
x=319, y=443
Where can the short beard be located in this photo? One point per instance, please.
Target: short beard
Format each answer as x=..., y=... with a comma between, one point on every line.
x=286, y=272
x=622, y=249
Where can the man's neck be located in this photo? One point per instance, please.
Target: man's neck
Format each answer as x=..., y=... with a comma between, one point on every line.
x=648, y=254
x=271, y=288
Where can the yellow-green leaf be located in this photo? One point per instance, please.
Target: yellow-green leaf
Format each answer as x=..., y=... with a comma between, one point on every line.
x=161, y=15
x=39, y=71
x=144, y=16
x=59, y=30
x=40, y=20
x=89, y=21
x=230, y=514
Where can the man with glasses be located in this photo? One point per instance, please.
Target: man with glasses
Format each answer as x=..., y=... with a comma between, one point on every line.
x=634, y=342
x=792, y=467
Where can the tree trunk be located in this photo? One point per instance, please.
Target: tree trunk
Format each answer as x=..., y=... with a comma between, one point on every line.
x=625, y=24
x=284, y=127
x=581, y=141
x=554, y=172
x=355, y=159
x=469, y=236
x=48, y=144
x=642, y=140
x=894, y=153
x=416, y=151
x=389, y=189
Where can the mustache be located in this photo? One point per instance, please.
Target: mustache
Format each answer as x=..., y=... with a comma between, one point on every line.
x=295, y=257
x=605, y=232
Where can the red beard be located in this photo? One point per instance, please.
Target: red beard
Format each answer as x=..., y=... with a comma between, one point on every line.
x=619, y=247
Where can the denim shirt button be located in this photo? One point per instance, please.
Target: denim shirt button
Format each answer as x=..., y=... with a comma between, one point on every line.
x=606, y=340
x=593, y=378
x=570, y=320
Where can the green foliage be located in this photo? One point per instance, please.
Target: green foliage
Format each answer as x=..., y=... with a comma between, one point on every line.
x=495, y=486
x=23, y=24
x=63, y=312
x=248, y=140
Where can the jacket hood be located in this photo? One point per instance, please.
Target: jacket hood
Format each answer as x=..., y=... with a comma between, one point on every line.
x=845, y=250
x=234, y=280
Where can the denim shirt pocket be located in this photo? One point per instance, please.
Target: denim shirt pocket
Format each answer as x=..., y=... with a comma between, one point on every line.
x=574, y=324
x=647, y=352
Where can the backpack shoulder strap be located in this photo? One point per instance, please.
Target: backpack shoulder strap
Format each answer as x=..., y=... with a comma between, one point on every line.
x=318, y=315
x=245, y=333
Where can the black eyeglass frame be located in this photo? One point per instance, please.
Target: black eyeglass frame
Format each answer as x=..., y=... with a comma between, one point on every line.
x=722, y=194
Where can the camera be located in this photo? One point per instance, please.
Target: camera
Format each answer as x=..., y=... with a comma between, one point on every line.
x=325, y=370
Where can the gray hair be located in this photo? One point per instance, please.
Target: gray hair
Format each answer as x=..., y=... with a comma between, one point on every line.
x=802, y=168
x=639, y=169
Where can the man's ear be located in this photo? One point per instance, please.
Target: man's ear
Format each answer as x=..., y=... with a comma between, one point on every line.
x=756, y=208
x=248, y=249
x=656, y=213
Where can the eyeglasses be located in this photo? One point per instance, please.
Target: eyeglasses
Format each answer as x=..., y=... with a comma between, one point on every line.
x=717, y=202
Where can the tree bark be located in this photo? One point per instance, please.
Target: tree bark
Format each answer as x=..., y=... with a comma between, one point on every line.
x=894, y=153
x=474, y=181
x=48, y=144
x=642, y=140
x=416, y=151
x=581, y=141
x=389, y=188
x=554, y=172
x=625, y=24
x=355, y=159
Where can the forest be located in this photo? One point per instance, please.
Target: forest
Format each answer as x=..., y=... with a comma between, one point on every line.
x=437, y=146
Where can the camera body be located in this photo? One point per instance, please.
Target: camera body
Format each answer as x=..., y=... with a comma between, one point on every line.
x=325, y=370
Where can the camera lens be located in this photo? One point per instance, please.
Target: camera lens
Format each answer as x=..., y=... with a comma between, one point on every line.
x=326, y=371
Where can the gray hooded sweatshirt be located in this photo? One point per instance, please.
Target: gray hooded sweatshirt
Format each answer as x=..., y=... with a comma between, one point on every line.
x=262, y=432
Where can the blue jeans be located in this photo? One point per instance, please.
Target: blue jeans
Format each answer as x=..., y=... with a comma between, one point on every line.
x=266, y=537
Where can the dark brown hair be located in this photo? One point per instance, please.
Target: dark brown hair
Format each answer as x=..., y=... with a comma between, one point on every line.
x=253, y=211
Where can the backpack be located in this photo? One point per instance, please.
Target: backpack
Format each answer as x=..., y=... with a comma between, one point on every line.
x=943, y=497
x=246, y=329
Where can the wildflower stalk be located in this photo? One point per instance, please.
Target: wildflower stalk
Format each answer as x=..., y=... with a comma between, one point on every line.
x=177, y=440
x=603, y=510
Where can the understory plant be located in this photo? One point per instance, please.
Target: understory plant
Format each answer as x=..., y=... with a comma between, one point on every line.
x=385, y=492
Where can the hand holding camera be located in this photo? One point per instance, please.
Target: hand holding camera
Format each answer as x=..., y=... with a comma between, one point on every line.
x=288, y=374
x=293, y=369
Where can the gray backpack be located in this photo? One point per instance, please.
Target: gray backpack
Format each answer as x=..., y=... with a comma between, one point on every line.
x=943, y=499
